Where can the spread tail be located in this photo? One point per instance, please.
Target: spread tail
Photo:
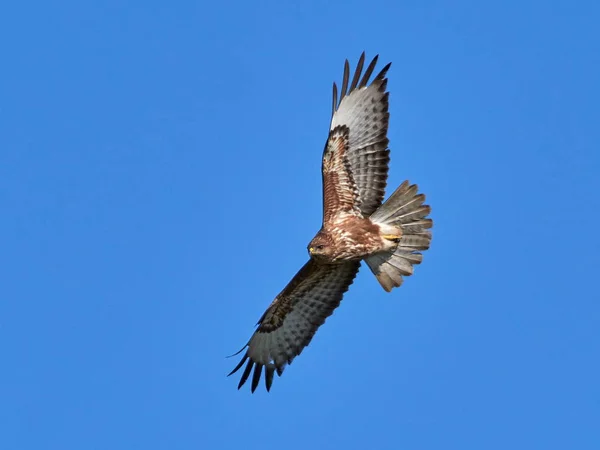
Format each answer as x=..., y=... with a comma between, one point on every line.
x=404, y=209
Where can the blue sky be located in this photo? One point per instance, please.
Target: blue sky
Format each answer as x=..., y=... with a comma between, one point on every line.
x=159, y=182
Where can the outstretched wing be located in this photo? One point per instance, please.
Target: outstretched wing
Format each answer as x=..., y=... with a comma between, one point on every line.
x=356, y=155
x=290, y=322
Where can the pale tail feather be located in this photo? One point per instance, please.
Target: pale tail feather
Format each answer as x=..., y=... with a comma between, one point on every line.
x=403, y=209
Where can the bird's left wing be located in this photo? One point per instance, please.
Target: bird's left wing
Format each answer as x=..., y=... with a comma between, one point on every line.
x=291, y=321
x=356, y=155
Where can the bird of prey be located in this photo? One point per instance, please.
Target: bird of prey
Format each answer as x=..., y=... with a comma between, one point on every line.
x=356, y=226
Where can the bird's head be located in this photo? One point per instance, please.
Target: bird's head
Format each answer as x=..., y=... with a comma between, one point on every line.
x=321, y=247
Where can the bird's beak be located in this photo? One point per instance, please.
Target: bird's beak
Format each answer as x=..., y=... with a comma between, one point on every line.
x=311, y=250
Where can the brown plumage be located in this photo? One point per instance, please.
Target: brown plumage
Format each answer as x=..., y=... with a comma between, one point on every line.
x=356, y=226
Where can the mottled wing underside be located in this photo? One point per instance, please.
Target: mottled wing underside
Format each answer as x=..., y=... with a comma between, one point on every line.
x=290, y=322
x=340, y=193
x=356, y=155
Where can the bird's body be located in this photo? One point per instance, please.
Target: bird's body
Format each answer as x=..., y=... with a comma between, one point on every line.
x=357, y=226
x=348, y=237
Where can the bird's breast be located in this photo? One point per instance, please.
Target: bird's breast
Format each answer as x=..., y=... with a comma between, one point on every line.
x=354, y=237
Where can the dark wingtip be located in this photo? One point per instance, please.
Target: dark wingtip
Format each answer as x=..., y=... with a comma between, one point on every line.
x=246, y=373
x=348, y=86
x=381, y=75
x=357, y=72
x=368, y=72
x=240, y=364
x=335, y=95
x=269, y=377
x=238, y=352
x=256, y=376
x=345, y=80
x=269, y=372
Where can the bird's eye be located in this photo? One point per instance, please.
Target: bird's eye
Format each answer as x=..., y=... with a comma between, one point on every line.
x=320, y=247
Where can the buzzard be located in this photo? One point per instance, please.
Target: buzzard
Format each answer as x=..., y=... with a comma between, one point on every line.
x=356, y=227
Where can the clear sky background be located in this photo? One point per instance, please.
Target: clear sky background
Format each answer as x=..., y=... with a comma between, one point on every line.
x=159, y=182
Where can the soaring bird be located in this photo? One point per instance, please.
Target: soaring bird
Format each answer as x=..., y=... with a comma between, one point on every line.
x=356, y=226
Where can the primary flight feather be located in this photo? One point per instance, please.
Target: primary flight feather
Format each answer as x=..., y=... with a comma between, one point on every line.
x=356, y=227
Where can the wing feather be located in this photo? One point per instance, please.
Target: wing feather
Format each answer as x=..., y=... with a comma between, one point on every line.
x=356, y=155
x=291, y=321
x=345, y=80
x=335, y=96
x=357, y=72
x=368, y=72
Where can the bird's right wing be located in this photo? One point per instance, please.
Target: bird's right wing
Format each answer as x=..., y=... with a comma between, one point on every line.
x=290, y=322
